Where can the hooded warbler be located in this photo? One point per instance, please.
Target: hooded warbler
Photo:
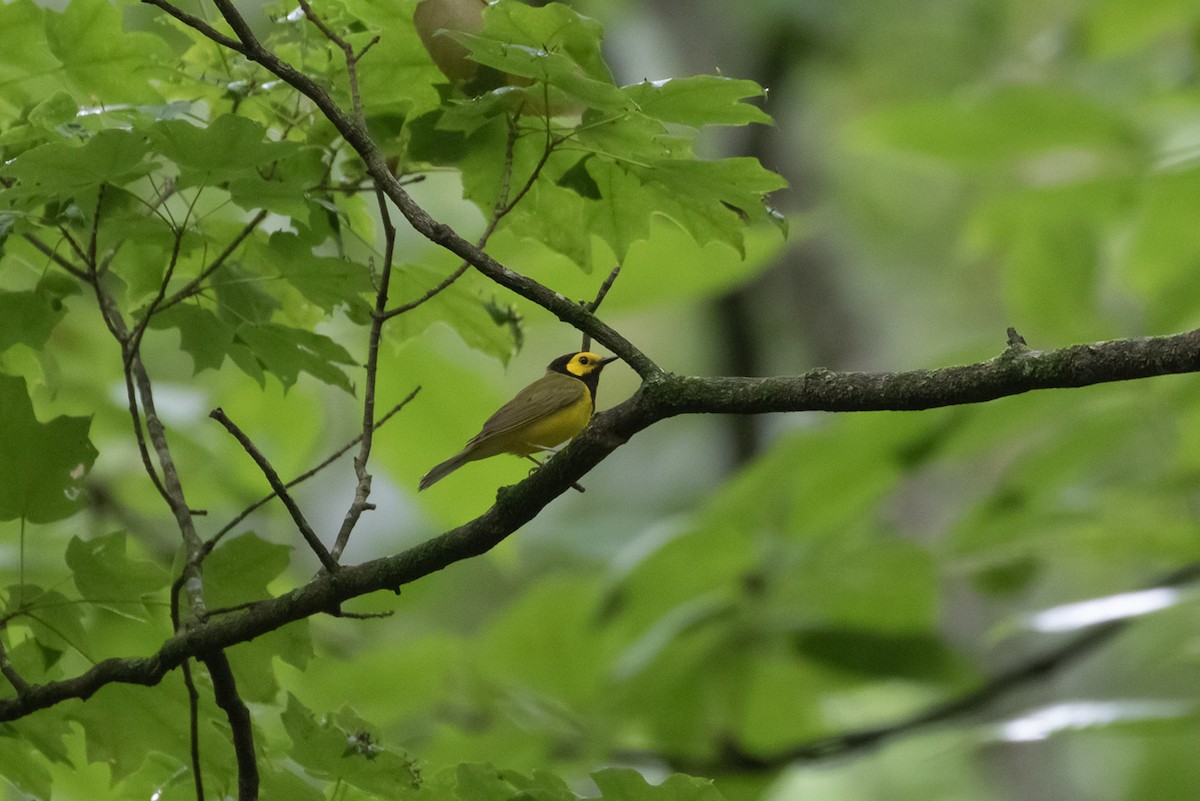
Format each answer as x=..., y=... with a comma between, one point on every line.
x=549, y=411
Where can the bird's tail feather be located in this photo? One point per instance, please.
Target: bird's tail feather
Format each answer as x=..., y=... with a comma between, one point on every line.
x=444, y=469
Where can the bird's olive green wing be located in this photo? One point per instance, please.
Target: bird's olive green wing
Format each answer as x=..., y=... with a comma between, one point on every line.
x=548, y=394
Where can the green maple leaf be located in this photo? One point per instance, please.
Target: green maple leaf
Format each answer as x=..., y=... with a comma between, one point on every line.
x=41, y=464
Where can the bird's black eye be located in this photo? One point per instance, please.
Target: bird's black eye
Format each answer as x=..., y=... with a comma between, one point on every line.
x=583, y=359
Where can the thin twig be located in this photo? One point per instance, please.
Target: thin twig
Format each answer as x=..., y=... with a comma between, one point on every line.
x=200, y=26
x=595, y=304
x=349, y=54
x=551, y=144
x=501, y=208
x=362, y=490
x=112, y=321
x=58, y=259
x=272, y=477
x=193, y=286
x=194, y=728
x=139, y=330
x=140, y=396
x=138, y=434
x=430, y=294
x=70, y=240
x=9, y=672
x=94, y=234
x=212, y=541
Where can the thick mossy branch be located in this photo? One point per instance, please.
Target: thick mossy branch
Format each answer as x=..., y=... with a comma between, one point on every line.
x=1014, y=372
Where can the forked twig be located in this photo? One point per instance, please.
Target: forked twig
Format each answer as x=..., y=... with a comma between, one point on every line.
x=272, y=477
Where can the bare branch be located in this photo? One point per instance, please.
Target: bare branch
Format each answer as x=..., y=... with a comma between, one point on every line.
x=1011, y=373
x=55, y=257
x=438, y=233
x=226, y=693
x=199, y=25
x=211, y=542
x=139, y=435
x=9, y=672
x=194, y=728
x=502, y=207
x=595, y=304
x=362, y=489
x=349, y=54
x=272, y=477
x=431, y=293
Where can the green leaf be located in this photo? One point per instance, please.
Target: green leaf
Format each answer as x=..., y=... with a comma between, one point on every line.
x=104, y=60
x=103, y=572
x=397, y=78
x=346, y=751
x=778, y=701
x=714, y=199
x=554, y=27
x=125, y=725
x=45, y=733
x=223, y=150
x=1121, y=27
x=239, y=570
x=56, y=110
x=560, y=75
x=461, y=306
x=484, y=782
x=202, y=335
x=28, y=72
x=60, y=171
x=22, y=769
x=544, y=641
x=1161, y=240
x=893, y=587
x=286, y=352
x=1052, y=241
x=241, y=297
x=327, y=282
x=579, y=181
x=621, y=218
x=27, y=318
x=42, y=465
x=699, y=100
x=57, y=624
x=285, y=187
x=280, y=782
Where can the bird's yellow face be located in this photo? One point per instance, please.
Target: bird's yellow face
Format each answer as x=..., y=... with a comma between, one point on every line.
x=584, y=363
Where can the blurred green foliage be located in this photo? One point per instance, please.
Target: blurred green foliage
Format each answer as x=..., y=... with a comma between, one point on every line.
x=962, y=169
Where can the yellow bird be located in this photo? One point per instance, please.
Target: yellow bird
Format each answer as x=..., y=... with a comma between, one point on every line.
x=546, y=413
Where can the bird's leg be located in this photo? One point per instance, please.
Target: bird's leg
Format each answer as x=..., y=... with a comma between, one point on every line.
x=574, y=486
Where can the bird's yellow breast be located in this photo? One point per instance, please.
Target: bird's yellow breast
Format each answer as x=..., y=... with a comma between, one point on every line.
x=549, y=431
